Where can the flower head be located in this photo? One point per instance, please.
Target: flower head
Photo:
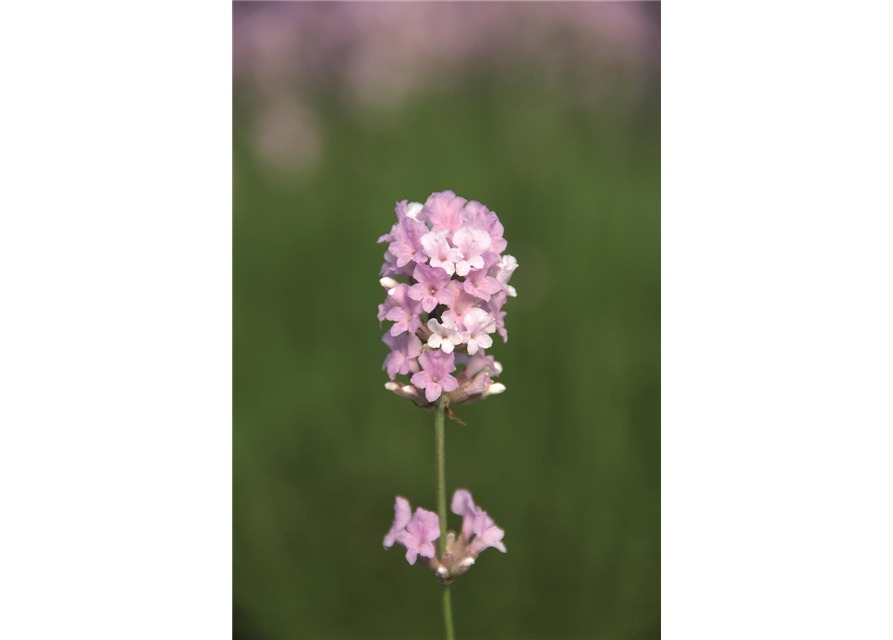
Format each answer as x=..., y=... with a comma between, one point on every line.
x=447, y=279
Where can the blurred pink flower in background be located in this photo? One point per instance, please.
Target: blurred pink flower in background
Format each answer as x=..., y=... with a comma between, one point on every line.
x=377, y=56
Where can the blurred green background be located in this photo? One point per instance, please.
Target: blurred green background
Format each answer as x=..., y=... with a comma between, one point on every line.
x=567, y=461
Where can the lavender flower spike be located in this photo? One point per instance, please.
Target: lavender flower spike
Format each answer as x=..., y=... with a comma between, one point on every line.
x=446, y=275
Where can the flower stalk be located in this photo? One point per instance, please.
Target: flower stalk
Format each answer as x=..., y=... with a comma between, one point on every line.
x=440, y=485
x=440, y=464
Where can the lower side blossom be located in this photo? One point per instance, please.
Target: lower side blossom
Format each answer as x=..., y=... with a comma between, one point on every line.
x=476, y=522
x=418, y=534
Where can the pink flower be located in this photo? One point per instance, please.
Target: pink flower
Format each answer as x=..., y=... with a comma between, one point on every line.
x=504, y=269
x=471, y=244
x=462, y=303
x=479, y=384
x=478, y=323
x=419, y=532
x=480, y=217
x=419, y=535
x=479, y=362
x=389, y=267
x=402, y=516
x=463, y=505
x=406, y=240
x=404, y=351
x=435, y=376
x=439, y=250
x=403, y=310
x=430, y=288
x=444, y=211
x=481, y=285
x=476, y=522
x=487, y=535
x=494, y=307
x=443, y=336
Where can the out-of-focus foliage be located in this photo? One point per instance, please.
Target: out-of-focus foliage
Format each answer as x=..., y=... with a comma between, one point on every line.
x=567, y=461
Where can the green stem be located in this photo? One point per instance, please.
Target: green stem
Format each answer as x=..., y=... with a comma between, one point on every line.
x=440, y=481
x=440, y=457
x=447, y=613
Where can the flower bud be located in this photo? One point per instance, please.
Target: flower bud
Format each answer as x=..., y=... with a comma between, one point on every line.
x=495, y=389
x=413, y=209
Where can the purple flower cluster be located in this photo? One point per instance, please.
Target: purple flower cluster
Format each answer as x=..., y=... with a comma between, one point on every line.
x=447, y=279
x=417, y=533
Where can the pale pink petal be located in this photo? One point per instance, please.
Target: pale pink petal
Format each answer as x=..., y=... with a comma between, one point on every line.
x=402, y=517
x=432, y=392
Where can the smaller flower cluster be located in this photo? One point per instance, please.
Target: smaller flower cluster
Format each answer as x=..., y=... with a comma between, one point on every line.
x=417, y=533
x=455, y=280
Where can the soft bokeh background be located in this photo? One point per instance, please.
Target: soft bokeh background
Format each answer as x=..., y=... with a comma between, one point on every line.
x=550, y=115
